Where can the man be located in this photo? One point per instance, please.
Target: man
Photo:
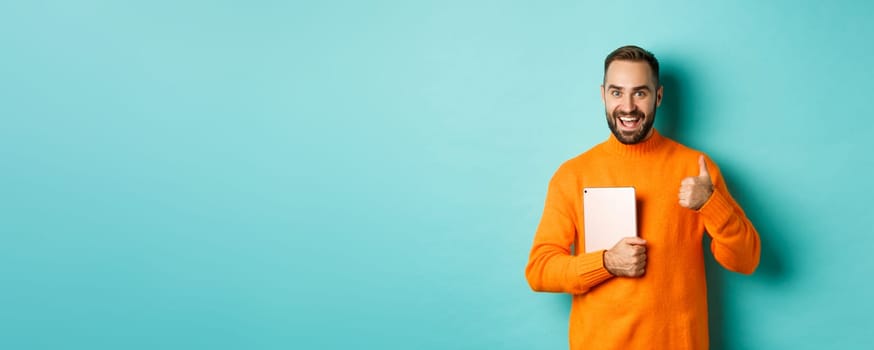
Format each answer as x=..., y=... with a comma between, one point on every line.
x=646, y=292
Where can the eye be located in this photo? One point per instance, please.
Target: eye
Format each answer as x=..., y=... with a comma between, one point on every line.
x=640, y=93
x=615, y=93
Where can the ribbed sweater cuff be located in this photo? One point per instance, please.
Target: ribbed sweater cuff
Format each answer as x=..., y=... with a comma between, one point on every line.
x=590, y=268
x=717, y=210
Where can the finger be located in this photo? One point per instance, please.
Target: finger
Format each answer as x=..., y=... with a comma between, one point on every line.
x=689, y=181
x=702, y=167
x=634, y=241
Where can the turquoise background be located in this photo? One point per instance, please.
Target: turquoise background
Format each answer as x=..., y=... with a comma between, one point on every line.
x=369, y=174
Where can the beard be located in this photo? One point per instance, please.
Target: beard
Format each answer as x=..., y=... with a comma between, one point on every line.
x=631, y=137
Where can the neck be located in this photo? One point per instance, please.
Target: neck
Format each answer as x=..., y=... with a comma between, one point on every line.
x=649, y=144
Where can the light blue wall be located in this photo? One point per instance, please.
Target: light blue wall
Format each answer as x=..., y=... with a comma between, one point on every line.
x=367, y=174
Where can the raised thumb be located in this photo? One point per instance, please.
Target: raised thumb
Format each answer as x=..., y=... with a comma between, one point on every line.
x=702, y=167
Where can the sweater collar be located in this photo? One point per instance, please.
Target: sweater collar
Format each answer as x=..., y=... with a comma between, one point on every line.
x=648, y=146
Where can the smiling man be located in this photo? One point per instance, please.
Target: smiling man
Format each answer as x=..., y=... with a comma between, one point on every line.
x=646, y=292
x=631, y=98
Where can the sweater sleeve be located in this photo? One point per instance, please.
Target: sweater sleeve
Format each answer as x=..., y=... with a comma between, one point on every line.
x=735, y=245
x=551, y=267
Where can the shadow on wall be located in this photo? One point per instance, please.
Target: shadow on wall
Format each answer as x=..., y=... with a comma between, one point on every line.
x=670, y=114
x=672, y=121
x=772, y=267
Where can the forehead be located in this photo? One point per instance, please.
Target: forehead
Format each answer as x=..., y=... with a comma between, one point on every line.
x=628, y=74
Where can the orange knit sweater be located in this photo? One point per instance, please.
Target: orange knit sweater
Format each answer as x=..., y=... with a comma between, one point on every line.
x=666, y=308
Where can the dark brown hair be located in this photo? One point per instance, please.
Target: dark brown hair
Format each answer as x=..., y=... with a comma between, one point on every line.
x=633, y=53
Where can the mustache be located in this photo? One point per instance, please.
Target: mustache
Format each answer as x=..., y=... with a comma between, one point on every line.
x=639, y=114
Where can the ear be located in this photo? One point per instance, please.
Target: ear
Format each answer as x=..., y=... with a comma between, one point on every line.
x=603, y=96
x=658, y=94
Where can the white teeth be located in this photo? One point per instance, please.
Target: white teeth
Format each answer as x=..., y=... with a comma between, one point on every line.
x=628, y=119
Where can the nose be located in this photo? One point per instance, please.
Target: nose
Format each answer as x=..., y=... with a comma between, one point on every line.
x=628, y=105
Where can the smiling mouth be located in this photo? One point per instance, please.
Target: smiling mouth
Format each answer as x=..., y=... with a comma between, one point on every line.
x=630, y=122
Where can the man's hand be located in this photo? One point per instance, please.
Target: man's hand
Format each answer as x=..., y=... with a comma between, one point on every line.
x=627, y=258
x=696, y=190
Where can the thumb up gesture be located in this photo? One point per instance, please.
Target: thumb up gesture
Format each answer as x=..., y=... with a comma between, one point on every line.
x=696, y=190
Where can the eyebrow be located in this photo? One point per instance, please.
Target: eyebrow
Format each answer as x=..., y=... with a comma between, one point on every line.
x=636, y=88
